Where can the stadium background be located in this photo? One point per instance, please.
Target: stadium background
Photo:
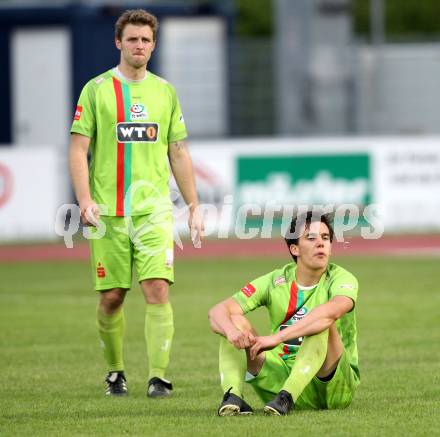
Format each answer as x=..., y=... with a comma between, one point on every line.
x=273, y=92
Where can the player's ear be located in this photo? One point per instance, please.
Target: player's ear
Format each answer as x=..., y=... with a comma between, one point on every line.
x=118, y=43
x=294, y=250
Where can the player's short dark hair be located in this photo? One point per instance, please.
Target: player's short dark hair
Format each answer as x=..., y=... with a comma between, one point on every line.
x=305, y=219
x=137, y=17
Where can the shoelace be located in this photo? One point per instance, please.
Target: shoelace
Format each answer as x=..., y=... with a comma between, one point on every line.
x=284, y=400
x=118, y=384
x=227, y=394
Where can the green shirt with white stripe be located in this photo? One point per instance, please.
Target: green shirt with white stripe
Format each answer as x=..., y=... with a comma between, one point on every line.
x=287, y=303
x=130, y=124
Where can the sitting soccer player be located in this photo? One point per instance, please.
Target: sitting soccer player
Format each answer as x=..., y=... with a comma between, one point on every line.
x=310, y=360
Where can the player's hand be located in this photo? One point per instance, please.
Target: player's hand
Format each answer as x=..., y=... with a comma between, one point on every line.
x=241, y=340
x=89, y=213
x=196, y=227
x=263, y=344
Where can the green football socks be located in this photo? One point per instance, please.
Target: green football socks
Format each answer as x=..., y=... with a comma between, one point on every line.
x=111, y=329
x=308, y=361
x=159, y=331
x=232, y=366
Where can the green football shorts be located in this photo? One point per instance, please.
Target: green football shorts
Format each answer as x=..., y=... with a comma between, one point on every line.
x=144, y=241
x=338, y=392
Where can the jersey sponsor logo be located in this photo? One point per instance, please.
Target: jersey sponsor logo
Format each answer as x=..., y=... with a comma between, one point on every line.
x=138, y=111
x=299, y=314
x=248, y=290
x=137, y=132
x=78, y=113
x=100, y=271
x=279, y=281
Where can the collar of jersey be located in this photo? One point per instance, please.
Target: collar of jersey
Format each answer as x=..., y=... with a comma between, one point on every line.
x=118, y=74
x=309, y=288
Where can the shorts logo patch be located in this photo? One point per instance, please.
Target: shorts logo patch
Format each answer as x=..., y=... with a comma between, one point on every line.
x=138, y=111
x=248, y=290
x=279, y=281
x=78, y=113
x=100, y=271
x=169, y=258
x=137, y=132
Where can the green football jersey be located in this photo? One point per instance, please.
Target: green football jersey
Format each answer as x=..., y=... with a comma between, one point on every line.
x=130, y=125
x=287, y=303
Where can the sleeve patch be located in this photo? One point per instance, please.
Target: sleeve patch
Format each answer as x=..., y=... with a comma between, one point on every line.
x=347, y=286
x=248, y=290
x=78, y=113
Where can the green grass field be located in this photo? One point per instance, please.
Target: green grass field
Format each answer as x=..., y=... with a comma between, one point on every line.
x=52, y=369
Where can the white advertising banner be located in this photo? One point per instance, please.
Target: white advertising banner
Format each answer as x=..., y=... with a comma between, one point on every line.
x=407, y=179
x=29, y=193
x=400, y=176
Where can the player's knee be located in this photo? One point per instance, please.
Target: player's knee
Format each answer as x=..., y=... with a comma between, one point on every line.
x=112, y=300
x=155, y=291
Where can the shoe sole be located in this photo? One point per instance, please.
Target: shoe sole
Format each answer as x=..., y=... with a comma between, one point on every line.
x=163, y=393
x=159, y=396
x=269, y=411
x=229, y=410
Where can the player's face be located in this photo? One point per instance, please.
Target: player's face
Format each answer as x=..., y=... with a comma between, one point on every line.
x=314, y=247
x=136, y=45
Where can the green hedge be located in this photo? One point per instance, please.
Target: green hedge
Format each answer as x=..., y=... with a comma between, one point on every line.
x=403, y=17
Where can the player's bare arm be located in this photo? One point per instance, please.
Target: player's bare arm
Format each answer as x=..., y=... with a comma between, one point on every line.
x=222, y=323
x=318, y=320
x=182, y=168
x=79, y=171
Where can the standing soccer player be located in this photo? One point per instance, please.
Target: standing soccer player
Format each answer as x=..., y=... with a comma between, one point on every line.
x=131, y=122
x=310, y=361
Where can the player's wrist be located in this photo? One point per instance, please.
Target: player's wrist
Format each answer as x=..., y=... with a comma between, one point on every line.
x=193, y=206
x=85, y=202
x=279, y=337
x=231, y=331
